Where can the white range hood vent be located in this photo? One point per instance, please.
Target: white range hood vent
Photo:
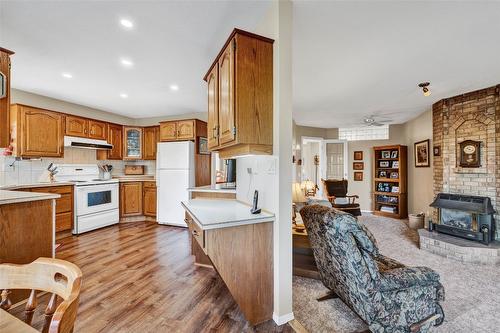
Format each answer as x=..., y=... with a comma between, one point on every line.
x=76, y=142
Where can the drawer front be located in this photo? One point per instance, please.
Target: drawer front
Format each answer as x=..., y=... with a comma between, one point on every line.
x=53, y=189
x=197, y=234
x=64, y=204
x=64, y=221
x=149, y=185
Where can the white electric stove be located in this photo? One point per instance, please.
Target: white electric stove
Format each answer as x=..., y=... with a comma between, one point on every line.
x=96, y=201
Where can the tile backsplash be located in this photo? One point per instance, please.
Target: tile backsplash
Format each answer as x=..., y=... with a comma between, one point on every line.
x=14, y=172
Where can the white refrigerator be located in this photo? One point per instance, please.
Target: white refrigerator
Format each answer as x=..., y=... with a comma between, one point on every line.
x=174, y=175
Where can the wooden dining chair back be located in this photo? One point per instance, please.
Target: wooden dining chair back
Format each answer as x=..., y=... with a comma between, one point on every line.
x=58, y=277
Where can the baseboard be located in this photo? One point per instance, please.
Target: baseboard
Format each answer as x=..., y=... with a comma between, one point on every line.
x=281, y=320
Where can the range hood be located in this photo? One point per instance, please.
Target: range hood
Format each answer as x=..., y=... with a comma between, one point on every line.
x=76, y=142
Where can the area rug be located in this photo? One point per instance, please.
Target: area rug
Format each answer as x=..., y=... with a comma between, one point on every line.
x=472, y=302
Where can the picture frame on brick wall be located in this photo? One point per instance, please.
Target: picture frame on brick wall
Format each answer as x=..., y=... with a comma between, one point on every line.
x=437, y=151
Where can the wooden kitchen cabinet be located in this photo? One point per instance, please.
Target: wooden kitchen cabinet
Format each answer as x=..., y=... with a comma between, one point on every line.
x=64, y=205
x=98, y=130
x=36, y=132
x=132, y=143
x=168, y=131
x=77, y=126
x=180, y=130
x=240, y=96
x=115, y=138
x=151, y=138
x=85, y=128
x=131, y=199
x=213, y=107
x=4, y=97
x=185, y=130
x=149, y=199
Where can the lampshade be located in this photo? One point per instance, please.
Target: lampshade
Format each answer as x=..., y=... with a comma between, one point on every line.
x=308, y=185
x=298, y=193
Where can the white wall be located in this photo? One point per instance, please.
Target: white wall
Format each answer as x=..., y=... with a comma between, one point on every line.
x=275, y=186
x=420, y=180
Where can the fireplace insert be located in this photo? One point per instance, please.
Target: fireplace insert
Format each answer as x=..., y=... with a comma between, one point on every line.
x=465, y=216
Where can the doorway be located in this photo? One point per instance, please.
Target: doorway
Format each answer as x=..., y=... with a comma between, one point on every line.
x=323, y=158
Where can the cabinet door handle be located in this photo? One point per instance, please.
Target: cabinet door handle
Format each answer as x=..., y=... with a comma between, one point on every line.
x=214, y=132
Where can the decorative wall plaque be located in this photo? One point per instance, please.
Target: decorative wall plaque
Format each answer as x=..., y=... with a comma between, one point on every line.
x=469, y=154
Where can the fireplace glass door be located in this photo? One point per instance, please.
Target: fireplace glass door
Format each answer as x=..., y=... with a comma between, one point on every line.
x=457, y=219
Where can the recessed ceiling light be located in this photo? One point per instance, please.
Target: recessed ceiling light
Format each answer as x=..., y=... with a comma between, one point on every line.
x=127, y=23
x=123, y=95
x=127, y=62
x=67, y=75
x=174, y=87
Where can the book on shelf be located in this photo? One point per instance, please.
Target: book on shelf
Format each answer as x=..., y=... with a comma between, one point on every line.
x=388, y=209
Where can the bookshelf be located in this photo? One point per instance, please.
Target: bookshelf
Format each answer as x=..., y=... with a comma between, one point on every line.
x=390, y=181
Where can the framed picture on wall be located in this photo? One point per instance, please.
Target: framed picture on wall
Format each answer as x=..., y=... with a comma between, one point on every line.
x=203, y=146
x=437, y=151
x=358, y=165
x=421, y=152
x=358, y=155
x=358, y=176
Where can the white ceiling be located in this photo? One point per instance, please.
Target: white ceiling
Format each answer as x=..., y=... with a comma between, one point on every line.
x=350, y=59
x=173, y=42
x=354, y=59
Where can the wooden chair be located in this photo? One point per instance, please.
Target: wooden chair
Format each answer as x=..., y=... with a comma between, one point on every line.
x=334, y=189
x=58, y=277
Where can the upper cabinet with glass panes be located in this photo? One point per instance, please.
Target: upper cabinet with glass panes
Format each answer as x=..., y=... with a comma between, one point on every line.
x=132, y=137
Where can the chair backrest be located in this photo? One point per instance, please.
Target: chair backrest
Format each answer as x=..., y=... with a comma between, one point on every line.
x=58, y=277
x=335, y=187
x=343, y=252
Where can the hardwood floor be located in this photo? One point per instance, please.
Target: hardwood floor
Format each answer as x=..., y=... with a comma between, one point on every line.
x=140, y=277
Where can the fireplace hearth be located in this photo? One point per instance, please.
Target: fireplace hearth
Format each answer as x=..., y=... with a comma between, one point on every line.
x=465, y=216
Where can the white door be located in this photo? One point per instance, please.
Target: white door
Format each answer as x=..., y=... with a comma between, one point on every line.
x=172, y=189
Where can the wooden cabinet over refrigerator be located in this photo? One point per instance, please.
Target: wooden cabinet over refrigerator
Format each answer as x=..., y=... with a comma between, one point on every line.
x=240, y=96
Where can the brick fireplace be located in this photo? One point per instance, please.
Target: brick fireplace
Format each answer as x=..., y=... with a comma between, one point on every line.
x=471, y=116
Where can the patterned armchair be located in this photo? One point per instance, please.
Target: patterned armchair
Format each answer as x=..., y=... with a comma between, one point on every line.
x=387, y=295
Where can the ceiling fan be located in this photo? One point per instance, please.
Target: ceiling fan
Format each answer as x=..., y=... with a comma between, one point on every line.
x=372, y=121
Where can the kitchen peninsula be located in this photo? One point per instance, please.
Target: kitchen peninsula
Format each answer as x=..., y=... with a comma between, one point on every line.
x=27, y=228
x=239, y=245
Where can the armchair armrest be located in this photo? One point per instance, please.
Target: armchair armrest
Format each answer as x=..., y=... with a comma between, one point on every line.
x=352, y=198
x=407, y=277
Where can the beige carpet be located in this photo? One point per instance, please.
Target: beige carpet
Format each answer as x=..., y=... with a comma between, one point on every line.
x=472, y=302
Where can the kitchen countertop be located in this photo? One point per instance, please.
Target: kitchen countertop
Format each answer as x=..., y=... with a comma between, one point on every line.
x=212, y=188
x=214, y=214
x=13, y=197
x=32, y=185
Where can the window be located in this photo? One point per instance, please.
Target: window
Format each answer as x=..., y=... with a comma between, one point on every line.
x=364, y=133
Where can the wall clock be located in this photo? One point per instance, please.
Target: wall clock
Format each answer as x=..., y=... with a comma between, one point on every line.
x=470, y=154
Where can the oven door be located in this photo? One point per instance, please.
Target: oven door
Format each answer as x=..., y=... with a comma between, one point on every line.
x=96, y=198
